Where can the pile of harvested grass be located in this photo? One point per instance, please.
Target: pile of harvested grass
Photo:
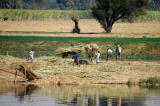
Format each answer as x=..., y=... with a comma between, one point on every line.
x=91, y=48
x=7, y=60
x=71, y=50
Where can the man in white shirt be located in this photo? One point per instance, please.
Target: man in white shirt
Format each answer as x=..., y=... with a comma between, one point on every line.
x=118, y=52
x=97, y=57
x=31, y=54
x=109, y=52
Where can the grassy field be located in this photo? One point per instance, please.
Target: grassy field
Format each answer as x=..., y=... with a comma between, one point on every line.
x=62, y=14
x=139, y=41
x=133, y=48
x=78, y=39
x=43, y=14
x=88, y=28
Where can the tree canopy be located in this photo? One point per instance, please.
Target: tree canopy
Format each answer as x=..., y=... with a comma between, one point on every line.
x=46, y=4
x=60, y=4
x=153, y=5
x=107, y=12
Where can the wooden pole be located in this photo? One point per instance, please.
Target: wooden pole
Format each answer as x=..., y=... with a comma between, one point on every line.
x=20, y=75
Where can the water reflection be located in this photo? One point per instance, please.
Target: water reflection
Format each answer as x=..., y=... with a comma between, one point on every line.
x=105, y=95
x=24, y=90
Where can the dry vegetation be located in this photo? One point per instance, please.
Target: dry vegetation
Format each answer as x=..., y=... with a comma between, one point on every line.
x=61, y=71
x=88, y=27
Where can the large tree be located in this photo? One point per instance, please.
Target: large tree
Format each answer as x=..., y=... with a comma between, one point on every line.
x=107, y=12
x=154, y=5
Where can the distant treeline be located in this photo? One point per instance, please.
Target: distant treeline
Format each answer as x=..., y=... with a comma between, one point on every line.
x=21, y=14
x=60, y=4
x=47, y=4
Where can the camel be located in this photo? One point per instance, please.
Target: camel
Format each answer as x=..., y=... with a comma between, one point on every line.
x=91, y=50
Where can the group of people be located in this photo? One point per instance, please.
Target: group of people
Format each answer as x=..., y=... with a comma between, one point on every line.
x=75, y=57
x=110, y=52
x=118, y=52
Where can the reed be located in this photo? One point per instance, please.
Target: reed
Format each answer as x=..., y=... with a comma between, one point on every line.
x=42, y=14
x=20, y=14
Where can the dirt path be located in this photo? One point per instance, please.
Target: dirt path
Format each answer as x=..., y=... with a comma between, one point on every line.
x=89, y=28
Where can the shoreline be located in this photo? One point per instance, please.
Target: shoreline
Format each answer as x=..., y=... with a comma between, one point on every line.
x=59, y=71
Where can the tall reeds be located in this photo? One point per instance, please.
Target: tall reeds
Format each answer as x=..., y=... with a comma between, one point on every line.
x=20, y=14
x=41, y=14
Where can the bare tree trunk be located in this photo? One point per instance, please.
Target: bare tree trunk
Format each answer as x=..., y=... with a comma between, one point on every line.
x=108, y=27
x=76, y=28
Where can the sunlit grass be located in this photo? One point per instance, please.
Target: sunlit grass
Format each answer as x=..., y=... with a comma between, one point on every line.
x=77, y=39
x=20, y=14
x=133, y=48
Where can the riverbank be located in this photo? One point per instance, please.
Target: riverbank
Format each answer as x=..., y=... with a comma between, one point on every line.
x=60, y=71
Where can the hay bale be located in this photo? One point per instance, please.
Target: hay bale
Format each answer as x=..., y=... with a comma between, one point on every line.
x=94, y=46
x=91, y=48
x=71, y=50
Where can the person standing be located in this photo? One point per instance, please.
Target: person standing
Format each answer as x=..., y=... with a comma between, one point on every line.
x=31, y=54
x=118, y=52
x=97, y=57
x=76, y=61
x=109, y=52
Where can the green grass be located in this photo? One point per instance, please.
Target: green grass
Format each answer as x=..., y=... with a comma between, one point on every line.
x=150, y=80
x=19, y=46
x=25, y=54
x=77, y=39
x=19, y=14
x=150, y=16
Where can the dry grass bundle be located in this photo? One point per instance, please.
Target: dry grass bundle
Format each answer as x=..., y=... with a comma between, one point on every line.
x=71, y=50
x=7, y=60
x=91, y=48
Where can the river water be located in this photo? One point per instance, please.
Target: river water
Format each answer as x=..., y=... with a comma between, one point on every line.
x=95, y=95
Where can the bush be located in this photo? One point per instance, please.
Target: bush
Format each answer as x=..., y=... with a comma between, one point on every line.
x=150, y=81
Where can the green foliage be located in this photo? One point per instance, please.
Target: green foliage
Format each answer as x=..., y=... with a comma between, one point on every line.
x=153, y=80
x=150, y=16
x=63, y=14
x=60, y=4
x=77, y=39
x=107, y=12
x=42, y=14
x=19, y=46
x=46, y=4
x=153, y=5
x=24, y=54
x=150, y=80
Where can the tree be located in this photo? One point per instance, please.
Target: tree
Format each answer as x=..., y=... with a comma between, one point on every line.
x=107, y=12
x=154, y=5
x=7, y=4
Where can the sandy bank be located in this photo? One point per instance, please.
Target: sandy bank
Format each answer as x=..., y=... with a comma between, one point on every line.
x=61, y=71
